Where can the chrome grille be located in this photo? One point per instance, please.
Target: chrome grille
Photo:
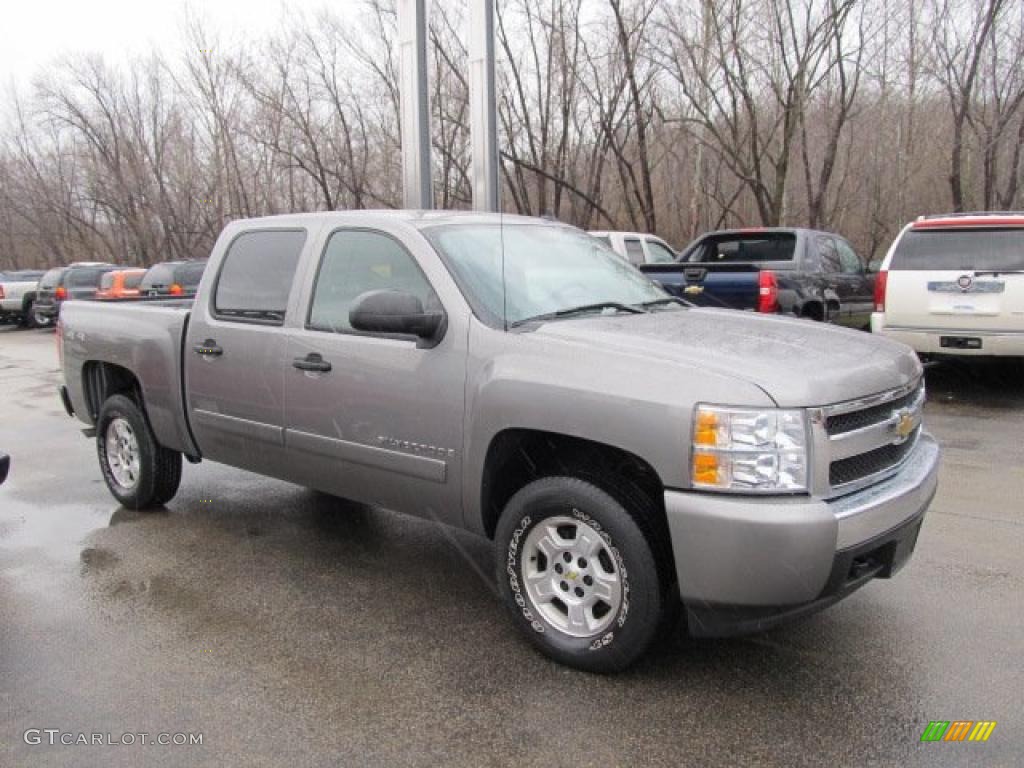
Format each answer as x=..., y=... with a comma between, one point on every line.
x=871, y=463
x=839, y=423
x=866, y=440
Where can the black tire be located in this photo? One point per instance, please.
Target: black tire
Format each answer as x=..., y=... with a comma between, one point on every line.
x=159, y=468
x=636, y=622
x=28, y=317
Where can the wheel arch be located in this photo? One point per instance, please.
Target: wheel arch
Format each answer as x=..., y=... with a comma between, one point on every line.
x=101, y=379
x=517, y=456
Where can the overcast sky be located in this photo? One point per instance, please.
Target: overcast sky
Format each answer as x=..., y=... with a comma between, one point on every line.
x=33, y=32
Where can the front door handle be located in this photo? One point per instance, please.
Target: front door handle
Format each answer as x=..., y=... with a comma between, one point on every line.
x=208, y=348
x=312, y=362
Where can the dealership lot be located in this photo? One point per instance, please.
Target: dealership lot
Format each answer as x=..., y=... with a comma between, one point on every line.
x=283, y=625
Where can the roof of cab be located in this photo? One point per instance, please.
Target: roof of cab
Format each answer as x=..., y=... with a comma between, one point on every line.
x=415, y=218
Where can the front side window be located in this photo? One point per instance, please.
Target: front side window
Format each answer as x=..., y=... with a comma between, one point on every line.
x=848, y=258
x=107, y=281
x=517, y=271
x=256, y=275
x=358, y=261
x=828, y=254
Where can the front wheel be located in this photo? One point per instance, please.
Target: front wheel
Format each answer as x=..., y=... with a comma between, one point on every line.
x=578, y=574
x=139, y=472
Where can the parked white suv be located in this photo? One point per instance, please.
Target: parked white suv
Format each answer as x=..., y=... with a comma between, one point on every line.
x=954, y=285
x=638, y=247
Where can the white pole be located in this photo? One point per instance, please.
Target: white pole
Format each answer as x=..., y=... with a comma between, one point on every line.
x=417, y=188
x=483, y=117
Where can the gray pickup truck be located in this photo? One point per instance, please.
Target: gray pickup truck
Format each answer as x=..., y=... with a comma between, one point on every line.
x=626, y=453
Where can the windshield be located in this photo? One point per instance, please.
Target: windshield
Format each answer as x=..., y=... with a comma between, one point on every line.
x=547, y=269
x=51, y=278
x=159, y=275
x=961, y=249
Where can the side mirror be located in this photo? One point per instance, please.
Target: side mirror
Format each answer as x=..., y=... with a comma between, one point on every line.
x=873, y=266
x=5, y=464
x=390, y=311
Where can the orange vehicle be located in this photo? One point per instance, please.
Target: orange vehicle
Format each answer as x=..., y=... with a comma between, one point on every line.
x=120, y=284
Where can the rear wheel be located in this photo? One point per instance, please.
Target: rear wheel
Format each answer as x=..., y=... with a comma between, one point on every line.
x=578, y=574
x=40, y=320
x=28, y=317
x=139, y=472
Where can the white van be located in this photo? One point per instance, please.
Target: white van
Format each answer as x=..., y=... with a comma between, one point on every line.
x=954, y=285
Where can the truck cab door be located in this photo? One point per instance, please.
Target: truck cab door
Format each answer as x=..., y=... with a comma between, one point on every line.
x=377, y=418
x=235, y=350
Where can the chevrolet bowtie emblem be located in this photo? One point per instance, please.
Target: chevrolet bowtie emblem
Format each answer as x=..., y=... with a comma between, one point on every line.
x=904, y=425
x=693, y=289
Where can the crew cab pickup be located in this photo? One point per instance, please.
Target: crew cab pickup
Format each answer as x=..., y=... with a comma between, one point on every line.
x=801, y=272
x=511, y=376
x=637, y=247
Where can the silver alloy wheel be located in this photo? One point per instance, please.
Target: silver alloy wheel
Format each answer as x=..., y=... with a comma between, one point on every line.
x=571, y=577
x=123, y=453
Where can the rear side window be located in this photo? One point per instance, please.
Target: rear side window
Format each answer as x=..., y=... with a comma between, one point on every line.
x=189, y=275
x=960, y=249
x=107, y=281
x=745, y=247
x=355, y=262
x=256, y=275
x=659, y=254
x=634, y=251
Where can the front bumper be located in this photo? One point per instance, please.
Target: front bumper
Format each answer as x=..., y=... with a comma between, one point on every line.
x=746, y=563
x=928, y=341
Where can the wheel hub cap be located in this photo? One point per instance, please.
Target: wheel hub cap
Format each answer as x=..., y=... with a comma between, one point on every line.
x=571, y=577
x=122, y=453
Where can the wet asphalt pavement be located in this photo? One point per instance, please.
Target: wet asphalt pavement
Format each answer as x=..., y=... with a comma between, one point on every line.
x=289, y=628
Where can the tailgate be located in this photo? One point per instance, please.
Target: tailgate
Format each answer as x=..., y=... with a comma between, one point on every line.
x=734, y=286
x=957, y=280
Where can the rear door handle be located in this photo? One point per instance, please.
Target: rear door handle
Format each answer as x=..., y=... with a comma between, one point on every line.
x=208, y=348
x=312, y=362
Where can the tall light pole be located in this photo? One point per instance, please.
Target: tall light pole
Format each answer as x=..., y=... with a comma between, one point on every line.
x=483, y=116
x=417, y=187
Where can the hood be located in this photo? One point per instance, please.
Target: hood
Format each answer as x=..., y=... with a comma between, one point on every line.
x=796, y=362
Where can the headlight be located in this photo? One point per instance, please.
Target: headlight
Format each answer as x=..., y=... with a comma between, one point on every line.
x=749, y=450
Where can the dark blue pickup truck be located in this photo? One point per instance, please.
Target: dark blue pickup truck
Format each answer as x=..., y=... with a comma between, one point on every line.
x=801, y=272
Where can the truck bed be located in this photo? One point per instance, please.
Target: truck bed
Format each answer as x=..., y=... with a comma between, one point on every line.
x=142, y=337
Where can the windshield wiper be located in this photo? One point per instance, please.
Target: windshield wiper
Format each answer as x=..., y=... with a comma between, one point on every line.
x=618, y=305
x=667, y=300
